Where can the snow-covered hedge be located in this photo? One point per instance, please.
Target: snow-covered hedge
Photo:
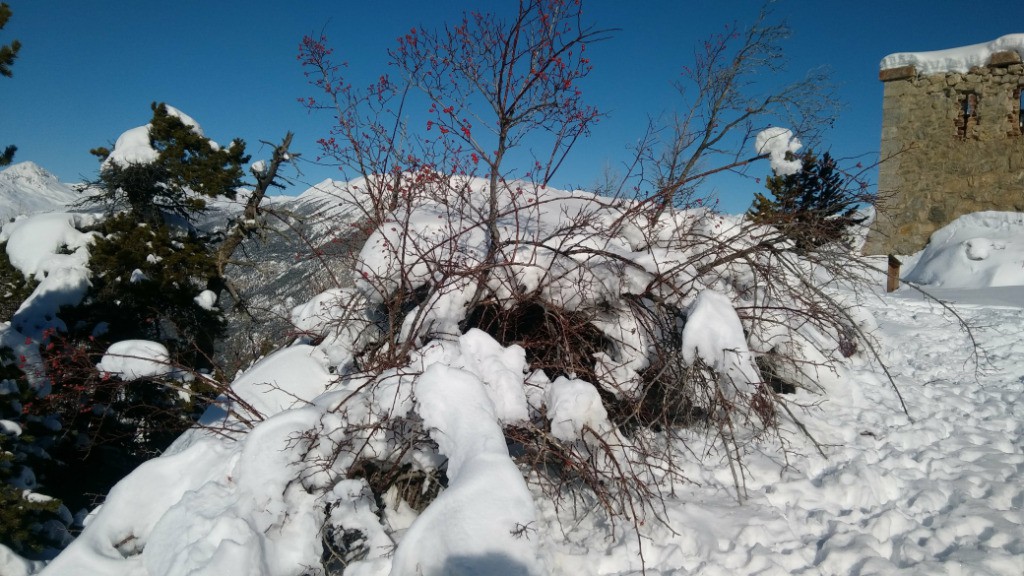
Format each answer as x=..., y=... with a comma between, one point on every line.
x=427, y=409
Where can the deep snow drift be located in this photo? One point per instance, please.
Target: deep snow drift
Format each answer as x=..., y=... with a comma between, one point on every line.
x=980, y=250
x=978, y=258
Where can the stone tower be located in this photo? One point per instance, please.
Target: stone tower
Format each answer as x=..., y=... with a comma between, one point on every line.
x=952, y=140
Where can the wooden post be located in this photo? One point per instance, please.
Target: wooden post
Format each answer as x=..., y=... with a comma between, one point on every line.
x=893, y=281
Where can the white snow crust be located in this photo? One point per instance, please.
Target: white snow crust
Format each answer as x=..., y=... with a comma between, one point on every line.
x=959, y=59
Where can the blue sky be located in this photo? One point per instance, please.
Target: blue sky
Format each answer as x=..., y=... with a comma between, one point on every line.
x=89, y=69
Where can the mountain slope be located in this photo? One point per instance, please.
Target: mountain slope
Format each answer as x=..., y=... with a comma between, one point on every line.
x=27, y=188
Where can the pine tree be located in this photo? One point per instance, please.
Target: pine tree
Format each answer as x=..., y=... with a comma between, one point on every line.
x=148, y=265
x=144, y=284
x=8, y=52
x=812, y=207
x=188, y=169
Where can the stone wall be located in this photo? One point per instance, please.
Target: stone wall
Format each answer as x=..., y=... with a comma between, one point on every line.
x=951, y=144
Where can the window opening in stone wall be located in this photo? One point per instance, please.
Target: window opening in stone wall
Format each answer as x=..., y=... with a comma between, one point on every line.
x=1019, y=97
x=967, y=118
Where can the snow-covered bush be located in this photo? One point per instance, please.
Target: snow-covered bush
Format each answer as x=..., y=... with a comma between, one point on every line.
x=620, y=332
x=504, y=342
x=588, y=336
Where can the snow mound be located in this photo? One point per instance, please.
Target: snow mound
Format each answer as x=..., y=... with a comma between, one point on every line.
x=955, y=59
x=207, y=300
x=980, y=250
x=51, y=249
x=714, y=333
x=573, y=406
x=471, y=527
x=270, y=387
x=131, y=359
x=217, y=503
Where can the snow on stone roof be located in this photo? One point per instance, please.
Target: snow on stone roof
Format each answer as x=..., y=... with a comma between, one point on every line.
x=955, y=59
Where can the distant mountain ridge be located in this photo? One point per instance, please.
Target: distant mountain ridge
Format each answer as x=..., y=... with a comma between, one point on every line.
x=28, y=188
x=308, y=246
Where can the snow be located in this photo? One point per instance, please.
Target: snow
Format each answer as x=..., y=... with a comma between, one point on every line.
x=134, y=147
x=980, y=250
x=10, y=428
x=34, y=243
x=573, y=407
x=925, y=497
x=714, y=333
x=271, y=386
x=13, y=565
x=777, y=142
x=263, y=482
x=207, y=300
x=960, y=59
x=38, y=246
x=27, y=188
x=131, y=359
x=216, y=503
x=471, y=527
x=258, y=168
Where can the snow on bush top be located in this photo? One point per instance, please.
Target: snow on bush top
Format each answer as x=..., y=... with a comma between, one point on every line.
x=955, y=59
x=35, y=244
x=980, y=250
x=714, y=333
x=133, y=146
x=131, y=359
x=50, y=248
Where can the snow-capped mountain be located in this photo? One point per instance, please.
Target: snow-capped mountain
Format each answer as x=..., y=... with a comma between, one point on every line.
x=304, y=250
x=28, y=188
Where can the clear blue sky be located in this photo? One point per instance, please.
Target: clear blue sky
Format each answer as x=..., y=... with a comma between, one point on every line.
x=89, y=69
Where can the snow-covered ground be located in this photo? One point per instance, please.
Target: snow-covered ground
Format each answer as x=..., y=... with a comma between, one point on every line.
x=938, y=490
x=939, y=494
